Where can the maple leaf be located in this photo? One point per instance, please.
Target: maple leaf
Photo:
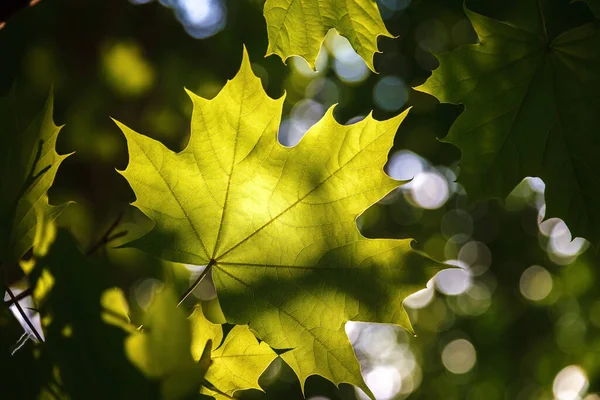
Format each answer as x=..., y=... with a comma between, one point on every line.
x=298, y=27
x=29, y=165
x=531, y=109
x=236, y=364
x=277, y=224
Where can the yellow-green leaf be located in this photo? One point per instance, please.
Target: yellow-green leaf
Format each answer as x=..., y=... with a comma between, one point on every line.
x=237, y=363
x=29, y=163
x=278, y=224
x=162, y=350
x=298, y=27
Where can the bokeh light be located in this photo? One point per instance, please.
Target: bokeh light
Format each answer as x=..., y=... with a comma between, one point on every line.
x=348, y=65
x=405, y=165
x=304, y=114
x=378, y=340
x=477, y=255
x=430, y=190
x=126, y=70
x=475, y=301
x=200, y=18
x=384, y=382
x=454, y=281
x=421, y=298
x=536, y=283
x=205, y=290
x=300, y=65
x=570, y=383
x=459, y=356
x=323, y=90
x=145, y=290
x=390, y=93
x=562, y=245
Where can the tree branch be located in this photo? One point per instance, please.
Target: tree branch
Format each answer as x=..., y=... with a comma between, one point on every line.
x=10, y=7
x=108, y=236
x=22, y=312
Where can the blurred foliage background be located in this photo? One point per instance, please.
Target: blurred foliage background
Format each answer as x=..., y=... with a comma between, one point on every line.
x=520, y=318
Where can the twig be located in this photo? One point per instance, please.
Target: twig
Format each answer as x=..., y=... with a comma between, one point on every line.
x=8, y=8
x=108, y=236
x=19, y=297
x=197, y=282
x=25, y=317
x=20, y=343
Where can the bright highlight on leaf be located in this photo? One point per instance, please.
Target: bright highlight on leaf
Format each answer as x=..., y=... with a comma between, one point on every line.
x=236, y=364
x=29, y=164
x=278, y=225
x=298, y=27
x=531, y=109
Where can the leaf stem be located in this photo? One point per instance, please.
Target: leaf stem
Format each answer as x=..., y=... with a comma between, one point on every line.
x=197, y=282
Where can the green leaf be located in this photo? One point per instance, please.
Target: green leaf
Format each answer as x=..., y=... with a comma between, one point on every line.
x=29, y=164
x=531, y=109
x=278, y=224
x=237, y=363
x=85, y=325
x=162, y=351
x=298, y=27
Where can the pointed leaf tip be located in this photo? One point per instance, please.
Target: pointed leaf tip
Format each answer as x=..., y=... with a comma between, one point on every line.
x=357, y=20
x=260, y=204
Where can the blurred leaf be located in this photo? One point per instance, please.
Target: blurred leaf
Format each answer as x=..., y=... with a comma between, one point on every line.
x=531, y=109
x=237, y=363
x=298, y=27
x=29, y=164
x=162, y=351
x=277, y=225
x=85, y=324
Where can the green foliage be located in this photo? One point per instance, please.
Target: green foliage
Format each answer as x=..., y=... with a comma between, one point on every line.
x=298, y=27
x=160, y=357
x=531, y=109
x=277, y=224
x=236, y=364
x=29, y=164
x=85, y=325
